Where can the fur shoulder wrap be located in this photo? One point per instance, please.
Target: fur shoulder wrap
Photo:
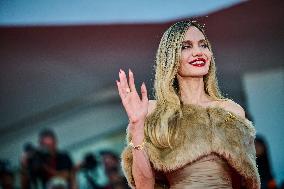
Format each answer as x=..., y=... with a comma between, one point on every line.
x=201, y=131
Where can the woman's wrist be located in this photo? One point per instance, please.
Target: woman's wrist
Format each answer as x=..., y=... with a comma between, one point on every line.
x=137, y=139
x=137, y=121
x=137, y=132
x=136, y=127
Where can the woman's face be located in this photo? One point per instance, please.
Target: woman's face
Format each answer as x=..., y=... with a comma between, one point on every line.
x=195, y=54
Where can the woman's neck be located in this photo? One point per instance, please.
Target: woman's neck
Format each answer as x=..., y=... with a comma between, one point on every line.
x=192, y=90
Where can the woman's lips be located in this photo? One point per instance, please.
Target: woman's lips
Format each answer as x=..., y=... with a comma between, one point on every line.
x=199, y=62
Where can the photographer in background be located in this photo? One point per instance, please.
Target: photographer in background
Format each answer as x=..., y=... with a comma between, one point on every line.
x=41, y=165
x=111, y=162
x=88, y=174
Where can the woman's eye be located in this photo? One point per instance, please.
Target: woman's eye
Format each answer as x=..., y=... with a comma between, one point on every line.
x=204, y=45
x=185, y=46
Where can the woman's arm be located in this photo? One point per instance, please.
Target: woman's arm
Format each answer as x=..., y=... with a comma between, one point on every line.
x=141, y=168
x=142, y=172
x=135, y=161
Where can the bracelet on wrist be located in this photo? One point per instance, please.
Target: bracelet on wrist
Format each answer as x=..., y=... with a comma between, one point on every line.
x=138, y=147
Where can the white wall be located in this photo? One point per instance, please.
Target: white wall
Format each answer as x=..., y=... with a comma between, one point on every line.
x=265, y=93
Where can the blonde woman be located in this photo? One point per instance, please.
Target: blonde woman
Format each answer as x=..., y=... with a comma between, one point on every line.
x=190, y=136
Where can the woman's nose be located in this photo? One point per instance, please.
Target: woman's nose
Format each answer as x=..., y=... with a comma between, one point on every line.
x=196, y=51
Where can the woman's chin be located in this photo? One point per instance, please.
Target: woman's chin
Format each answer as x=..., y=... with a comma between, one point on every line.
x=196, y=75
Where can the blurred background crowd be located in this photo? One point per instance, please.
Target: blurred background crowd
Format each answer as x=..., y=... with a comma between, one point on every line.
x=62, y=124
x=44, y=166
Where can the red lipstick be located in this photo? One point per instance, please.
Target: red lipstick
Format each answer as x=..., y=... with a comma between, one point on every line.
x=198, y=62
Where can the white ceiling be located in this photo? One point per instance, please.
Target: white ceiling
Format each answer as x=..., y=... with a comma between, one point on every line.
x=74, y=12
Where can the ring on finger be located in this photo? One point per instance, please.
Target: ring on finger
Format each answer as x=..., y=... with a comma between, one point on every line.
x=127, y=90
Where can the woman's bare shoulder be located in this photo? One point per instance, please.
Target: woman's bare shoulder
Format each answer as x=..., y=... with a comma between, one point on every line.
x=234, y=107
x=151, y=106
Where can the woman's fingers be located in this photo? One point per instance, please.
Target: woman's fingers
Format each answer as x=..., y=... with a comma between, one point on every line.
x=124, y=89
x=122, y=84
x=134, y=106
x=123, y=81
x=144, y=93
x=119, y=87
x=131, y=81
x=120, y=91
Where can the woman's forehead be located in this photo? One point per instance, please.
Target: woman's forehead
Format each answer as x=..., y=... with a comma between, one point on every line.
x=193, y=34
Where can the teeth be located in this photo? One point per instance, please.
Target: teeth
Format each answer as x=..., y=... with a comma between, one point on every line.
x=197, y=62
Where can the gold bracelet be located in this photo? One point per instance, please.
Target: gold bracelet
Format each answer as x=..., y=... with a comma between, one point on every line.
x=138, y=147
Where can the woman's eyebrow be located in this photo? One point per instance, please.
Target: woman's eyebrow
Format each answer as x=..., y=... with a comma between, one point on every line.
x=186, y=41
x=200, y=41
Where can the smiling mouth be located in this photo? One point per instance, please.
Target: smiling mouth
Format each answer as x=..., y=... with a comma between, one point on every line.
x=199, y=62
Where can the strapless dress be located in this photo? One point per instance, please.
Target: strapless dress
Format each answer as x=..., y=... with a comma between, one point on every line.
x=210, y=172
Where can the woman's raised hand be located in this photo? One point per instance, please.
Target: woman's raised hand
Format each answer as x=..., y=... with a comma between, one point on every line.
x=135, y=107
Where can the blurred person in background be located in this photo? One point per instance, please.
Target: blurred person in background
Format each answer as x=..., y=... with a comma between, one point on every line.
x=40, y=165
x=282, y=185
x=57, y=183
x=7, y=178
x=263, y=162
x=88, y=173
x=113, y=171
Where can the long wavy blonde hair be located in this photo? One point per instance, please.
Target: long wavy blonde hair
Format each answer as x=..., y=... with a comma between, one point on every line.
x=168, y=103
